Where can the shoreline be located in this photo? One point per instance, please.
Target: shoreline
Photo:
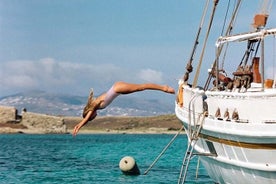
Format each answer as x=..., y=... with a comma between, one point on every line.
x=8, y=130
x=35, y=123
x=161, y=131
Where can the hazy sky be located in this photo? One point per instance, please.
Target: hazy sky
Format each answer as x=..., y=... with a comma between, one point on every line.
x=70, y=46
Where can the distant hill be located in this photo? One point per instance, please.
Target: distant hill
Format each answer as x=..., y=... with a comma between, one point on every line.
x=69, y=105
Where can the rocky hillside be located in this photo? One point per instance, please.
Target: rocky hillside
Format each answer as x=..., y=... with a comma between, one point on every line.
x=29, y=122
x=68, y=105
x=151, y=124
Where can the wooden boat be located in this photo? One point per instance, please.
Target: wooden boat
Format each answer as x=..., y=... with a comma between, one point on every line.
x=231, y=120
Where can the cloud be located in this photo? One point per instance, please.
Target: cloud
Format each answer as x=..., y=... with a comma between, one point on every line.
x=51, y=75
x=149, y=75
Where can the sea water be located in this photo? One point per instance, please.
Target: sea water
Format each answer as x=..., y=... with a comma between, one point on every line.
x=93, y=158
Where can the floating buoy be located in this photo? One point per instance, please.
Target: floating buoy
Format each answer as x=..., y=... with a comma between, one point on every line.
x=128, y=166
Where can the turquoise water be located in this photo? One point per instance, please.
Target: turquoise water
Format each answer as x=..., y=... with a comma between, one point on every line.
x=92, y=159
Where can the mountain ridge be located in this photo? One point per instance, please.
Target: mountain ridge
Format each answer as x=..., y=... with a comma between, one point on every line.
x=71, y=105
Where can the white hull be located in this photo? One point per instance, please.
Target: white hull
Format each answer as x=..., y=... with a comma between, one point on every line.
x=231, y=121
x=227, y=173
x=245, y=148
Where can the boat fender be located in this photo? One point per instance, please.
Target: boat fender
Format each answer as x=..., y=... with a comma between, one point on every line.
x=235, y=115
x=217, y=115
x=180, y=99
x=128, y=166
x=226, y=115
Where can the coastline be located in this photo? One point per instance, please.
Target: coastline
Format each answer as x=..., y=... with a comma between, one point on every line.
x=145, y=131
x=8, y=130
x=161, y=124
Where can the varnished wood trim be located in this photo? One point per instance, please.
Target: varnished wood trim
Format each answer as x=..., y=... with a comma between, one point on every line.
x=270, y=146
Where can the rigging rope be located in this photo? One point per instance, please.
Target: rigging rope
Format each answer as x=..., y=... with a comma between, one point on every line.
x=163, y=151
x=228, y=32
x=226, y=14
x=189, y=66
x=224, y=22
x=273, y=58
x=205, y=42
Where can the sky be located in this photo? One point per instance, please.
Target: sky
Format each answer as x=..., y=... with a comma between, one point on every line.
x=70, y=46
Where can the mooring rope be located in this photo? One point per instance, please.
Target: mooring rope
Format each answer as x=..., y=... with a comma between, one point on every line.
x=163, y=151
